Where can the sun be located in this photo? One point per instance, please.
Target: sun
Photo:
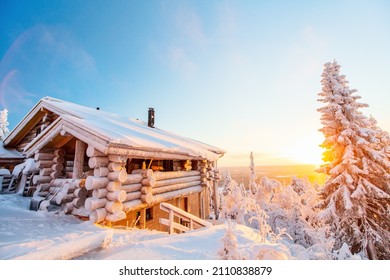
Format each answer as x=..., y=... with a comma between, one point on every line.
x=305, y=150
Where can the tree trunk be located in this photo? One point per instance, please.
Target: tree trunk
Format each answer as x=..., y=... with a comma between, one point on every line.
x=131, y=187
x=117, y=158
x=58, y=160
x=174, y=181
x=79, y=183
x=131, y=204
x=133, y=178
x=78, y=163
x=59, y=153
x=101, y=172
x=79, y=202
x=146, y=173
x=95, y=162
x=371, y=251
x=174, y=174
x=100, y=193
x=92, y=152
x=96, y=182
x=121, y=176
x=41, y=179
x=147, y=198
x=113, y=206
x=115, y=166
x=98, y=215
x=146, y=190
x=57, y=167
x=117, y=216
x=92, y=203
x=151, y=181
x=43, y=156
x=118, y=195
x=113, y=186
x=175, y=187
x=43, y=164
x=132, y=196
x=82, y=192
x=55, y=174
x=174, y=194
x=68, y=208
x=45, y=171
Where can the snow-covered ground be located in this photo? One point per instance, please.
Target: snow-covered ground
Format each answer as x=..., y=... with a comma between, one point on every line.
x=31, y=235
x=26, y=234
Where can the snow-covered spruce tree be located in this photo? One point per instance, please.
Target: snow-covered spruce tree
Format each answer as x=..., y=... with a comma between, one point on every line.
x=4, y=124
x=233, y=203
x=356, y=195
x=252, y=176
x=229, y=250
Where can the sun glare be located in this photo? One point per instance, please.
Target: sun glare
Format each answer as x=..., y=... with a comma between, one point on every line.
x=306, y=151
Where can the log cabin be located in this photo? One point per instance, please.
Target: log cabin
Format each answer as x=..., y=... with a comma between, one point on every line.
x=112, y=170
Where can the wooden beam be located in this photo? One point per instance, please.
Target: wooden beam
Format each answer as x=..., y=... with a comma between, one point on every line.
x=63, y=141
x=78, y=163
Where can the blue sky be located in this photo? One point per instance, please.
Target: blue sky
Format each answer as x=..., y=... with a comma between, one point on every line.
x=240, y=75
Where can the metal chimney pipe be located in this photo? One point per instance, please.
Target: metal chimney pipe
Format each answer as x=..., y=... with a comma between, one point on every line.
x=151, y=117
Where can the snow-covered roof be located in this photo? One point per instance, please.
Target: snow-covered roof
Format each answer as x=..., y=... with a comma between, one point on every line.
x=120, y=131
x=9, y=153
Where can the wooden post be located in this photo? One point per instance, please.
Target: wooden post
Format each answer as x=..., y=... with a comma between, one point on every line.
x=171, y=216
x=142, y=220
x=79, y=159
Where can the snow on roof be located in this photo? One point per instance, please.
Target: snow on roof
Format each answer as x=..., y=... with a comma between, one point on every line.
x=8, y=153
x=132, y=133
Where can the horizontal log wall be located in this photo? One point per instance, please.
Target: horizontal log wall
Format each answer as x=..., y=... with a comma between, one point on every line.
x=106, y=203
x=108, y=193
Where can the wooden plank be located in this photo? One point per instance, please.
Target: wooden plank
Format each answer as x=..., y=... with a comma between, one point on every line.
x=178, y=226
x=183, y=214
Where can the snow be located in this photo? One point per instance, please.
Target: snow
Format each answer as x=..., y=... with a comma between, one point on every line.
x=122, y=131
x=26, y=234
x=26, y=167
x=8, y=153
x=4, y=124
x=4, y=171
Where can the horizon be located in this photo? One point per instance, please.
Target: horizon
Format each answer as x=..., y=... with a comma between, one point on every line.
x=242, y=76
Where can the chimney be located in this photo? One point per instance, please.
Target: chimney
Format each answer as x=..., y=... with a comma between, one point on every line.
x=151, y=117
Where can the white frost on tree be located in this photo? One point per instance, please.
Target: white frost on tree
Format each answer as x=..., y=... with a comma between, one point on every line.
x=252, y=176
x=233, y=203
x=4, y=124
x=229, y=250
x=356, y=195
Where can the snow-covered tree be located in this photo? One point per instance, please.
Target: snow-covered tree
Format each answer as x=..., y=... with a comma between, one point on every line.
x=252, y=176
x=233, y=205
x=4, y=124
x=356, y=195
x=228, y=183
x=293, y=208
x=229, y=250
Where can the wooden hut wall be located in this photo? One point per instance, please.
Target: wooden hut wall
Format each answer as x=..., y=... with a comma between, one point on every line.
x=107, y=193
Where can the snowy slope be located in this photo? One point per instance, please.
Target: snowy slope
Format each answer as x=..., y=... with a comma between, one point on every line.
x=26, y=234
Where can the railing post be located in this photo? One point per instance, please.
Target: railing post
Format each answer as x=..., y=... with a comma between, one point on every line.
x=171, y=216
x=191, y=224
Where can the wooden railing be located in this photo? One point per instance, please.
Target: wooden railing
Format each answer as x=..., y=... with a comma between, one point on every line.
x=8, y=183
x=190, y=220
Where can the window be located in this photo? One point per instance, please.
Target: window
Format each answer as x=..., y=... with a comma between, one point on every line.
x=149, y=214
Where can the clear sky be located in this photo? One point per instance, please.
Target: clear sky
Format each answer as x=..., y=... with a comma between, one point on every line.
x=240, y=75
